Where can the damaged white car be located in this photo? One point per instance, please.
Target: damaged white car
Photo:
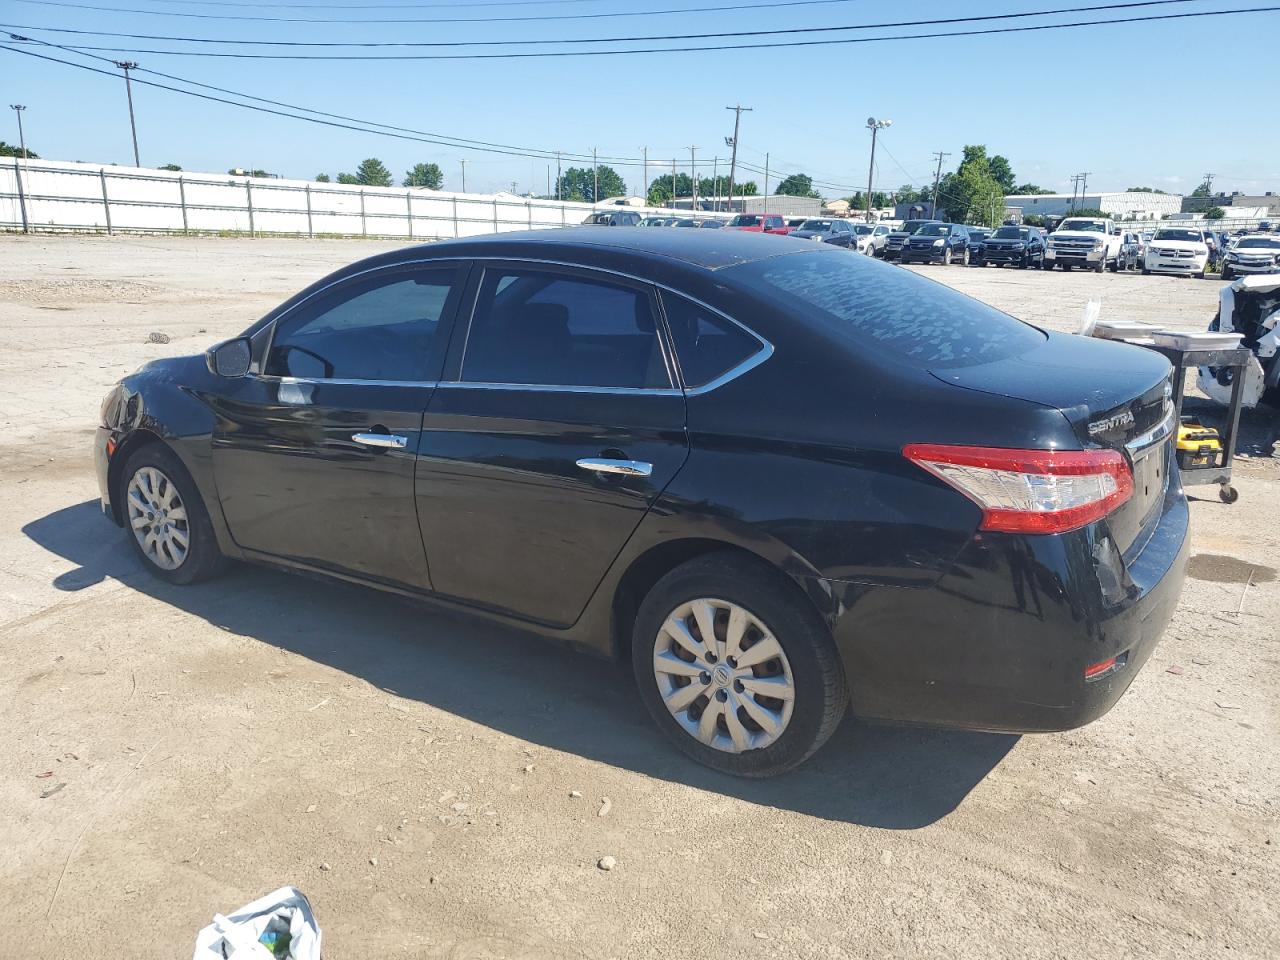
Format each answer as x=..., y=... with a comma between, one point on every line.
x=1256, y=253
x=1250, y=307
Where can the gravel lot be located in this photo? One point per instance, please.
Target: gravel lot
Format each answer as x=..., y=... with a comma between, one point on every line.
x=413, y=773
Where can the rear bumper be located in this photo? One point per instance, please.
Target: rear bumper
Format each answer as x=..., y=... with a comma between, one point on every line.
x=1001, y=642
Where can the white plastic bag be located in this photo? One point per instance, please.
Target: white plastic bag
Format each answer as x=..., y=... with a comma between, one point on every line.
x=1089, y=318
x=238, y=935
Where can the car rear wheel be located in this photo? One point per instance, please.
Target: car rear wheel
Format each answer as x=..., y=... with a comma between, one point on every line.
x=736, y=668
x=168, y=521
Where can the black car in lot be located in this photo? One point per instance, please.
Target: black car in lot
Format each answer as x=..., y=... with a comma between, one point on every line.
x=776, y=479
x=977, y=237
x=897, y=239
x=937, y=243
x=1017, y=246
x=836, y=232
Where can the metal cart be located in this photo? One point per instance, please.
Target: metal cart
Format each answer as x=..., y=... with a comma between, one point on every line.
x=1234, y=359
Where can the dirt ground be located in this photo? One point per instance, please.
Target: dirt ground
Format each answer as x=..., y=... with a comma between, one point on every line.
x=177, y=752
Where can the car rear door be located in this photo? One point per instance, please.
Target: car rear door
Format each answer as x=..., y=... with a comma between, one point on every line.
x=556, y=426
x=314, y=454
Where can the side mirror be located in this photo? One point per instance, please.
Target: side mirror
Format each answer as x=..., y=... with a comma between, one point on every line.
x=230, y=358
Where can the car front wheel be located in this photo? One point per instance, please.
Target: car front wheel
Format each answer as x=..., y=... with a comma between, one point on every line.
x=168, y=521
x=736, y=667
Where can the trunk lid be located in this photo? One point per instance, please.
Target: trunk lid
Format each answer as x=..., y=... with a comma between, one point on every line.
x=1114, y=395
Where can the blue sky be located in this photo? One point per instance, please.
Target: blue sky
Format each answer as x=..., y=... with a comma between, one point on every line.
x=1053, y=102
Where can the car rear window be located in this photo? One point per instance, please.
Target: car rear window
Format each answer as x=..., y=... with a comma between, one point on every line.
x=888, y=310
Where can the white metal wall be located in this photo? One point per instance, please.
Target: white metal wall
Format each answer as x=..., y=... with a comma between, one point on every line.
x=56, y=195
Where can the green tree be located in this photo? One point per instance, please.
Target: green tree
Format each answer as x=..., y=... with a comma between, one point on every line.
x=579, y=183
x=1001, y=172
x=427, y=175
x=172, y=167
x=797, y=185
x=372, y=173
x=908, y=194
x=1215, y=213
x=1029, y=189
x=1033, y=220
x=972, y=194
x=322, y=178
x=8, y=150
x=1143, y=190
x=1204, y=190
x=349, y=178
x=1089, y=212
x=660, y=188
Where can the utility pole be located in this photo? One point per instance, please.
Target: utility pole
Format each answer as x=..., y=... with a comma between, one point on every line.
x=715, y=184
x=22, y=138
x=595, y=175
x=464, y=175
x=644, y=184
x=733, y=159
x=766, y=182
x=693, y=178
x=126, y=66
x=548, y=180
x=875, y=126
x=1075, y=185
x=673, y=183
x=559, y=177
x=937, y=179
x=1208, y=183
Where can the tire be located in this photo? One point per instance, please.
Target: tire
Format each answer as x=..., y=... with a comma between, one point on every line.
x=1228, y=494
x=808, y=660
x=966, y=257
x=1046, y=264
x=1146, y=272
x=161, y=477
x=1102, y=264
x=1024, y=262
x=1115, y=265
x=946, y=256
x=1227, y=273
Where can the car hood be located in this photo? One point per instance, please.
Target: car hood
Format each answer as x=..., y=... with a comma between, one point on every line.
x=810, y=234
x=745, y=229
x=1077, y=235
x=1191, y=245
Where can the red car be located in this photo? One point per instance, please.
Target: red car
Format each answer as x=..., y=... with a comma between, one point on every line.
x=759, y=223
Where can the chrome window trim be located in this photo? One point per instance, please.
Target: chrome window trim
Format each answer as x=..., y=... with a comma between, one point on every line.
x=750, y=363
x=1160, y=432
x=341, y=381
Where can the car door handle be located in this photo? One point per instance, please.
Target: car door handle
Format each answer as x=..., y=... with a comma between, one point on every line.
x=388, y=441
x=627, y=468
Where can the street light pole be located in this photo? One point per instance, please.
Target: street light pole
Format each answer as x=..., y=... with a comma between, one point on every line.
x=22, y=138
x=126, y=66
x=464, y=175
x=875, y=126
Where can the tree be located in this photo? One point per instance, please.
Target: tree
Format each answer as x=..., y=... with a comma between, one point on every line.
x=1001, y=172
x=427, y=175
x=972, y=194
x=172, y=167
x=660, y=189
x=372, y=173
x=909, y=194
x=1033, y=220
x=349, y=178
x=1204, y=190
x=1214, y=213
x=8, y=150
x=1029, y=189
x=322, y=178
x=579, y=183
x=1089, y=212
x=797, y=185
x=1143, y=190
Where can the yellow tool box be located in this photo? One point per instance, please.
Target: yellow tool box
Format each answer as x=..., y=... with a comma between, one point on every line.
x=1198, y=445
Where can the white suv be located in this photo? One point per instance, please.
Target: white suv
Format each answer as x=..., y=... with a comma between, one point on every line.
x=1177, y=250
x=1257, y=253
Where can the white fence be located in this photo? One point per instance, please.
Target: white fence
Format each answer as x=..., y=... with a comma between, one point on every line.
x=50, y=195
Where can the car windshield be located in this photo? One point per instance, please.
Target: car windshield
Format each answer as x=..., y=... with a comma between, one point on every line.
x=1194, y=236
x=1266, y=243
x=795, y=221
x=911, y=226
x=934, y=230
x=1011, y=233
x=890, y=311
x=861, y=229
x=745, y=220
x=816, y=225
x=1091, y=226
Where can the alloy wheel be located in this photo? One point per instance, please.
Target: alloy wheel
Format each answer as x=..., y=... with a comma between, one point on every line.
x=723, y=675
x=158, y=518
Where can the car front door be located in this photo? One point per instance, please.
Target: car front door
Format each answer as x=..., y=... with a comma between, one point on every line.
x=314, y=453
x=556, y=426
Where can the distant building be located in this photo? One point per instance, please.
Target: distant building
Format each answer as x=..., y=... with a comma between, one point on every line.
x=782, y=203
x=1134, y=205
x=1268, y=202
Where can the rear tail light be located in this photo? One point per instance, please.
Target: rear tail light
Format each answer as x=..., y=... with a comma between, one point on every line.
x=1030, y=491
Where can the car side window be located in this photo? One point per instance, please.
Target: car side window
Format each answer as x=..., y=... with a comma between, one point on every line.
x=381, y=327
x=546, y=328
x=707, y=345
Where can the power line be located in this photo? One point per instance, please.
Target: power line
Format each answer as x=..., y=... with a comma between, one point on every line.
x=600, y=40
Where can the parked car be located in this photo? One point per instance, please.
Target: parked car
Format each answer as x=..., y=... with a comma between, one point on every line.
x=870, y=238
x=757, y=223
x=711, y=224
x=793, y=223
x=1130, y=252
x=937, y=242
x=896, y=239
x=656, y=221
x=1017, y=246
x=614, y=218
x=1265, y=226
x=1177, y=250
x=837, y=232
x=612, y=442
x=1259, y=253
x=1091, y=242
x=685, y=222
x=977, y=237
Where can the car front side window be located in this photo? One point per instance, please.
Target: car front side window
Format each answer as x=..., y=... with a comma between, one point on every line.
x=380, y=327
x=545, y=328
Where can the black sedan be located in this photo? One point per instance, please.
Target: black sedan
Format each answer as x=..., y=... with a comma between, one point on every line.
x=1016, y=246
x=836, y=232
x=776, y=479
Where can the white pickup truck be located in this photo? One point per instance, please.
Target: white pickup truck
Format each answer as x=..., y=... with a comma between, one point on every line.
x=1091, y=242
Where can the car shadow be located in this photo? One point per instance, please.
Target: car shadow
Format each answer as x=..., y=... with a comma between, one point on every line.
x=508, y=680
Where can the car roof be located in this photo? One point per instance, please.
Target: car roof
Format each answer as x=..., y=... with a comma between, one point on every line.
x=710, y=250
